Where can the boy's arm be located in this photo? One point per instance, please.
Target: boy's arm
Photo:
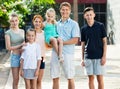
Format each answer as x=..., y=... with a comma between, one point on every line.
x=73, y=40
x=83, y=49
x=103, y=61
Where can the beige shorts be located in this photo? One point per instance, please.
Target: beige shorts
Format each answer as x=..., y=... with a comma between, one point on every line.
x=67, y=66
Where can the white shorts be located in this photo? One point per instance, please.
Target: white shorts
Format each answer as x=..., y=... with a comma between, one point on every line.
x=67, y=66
x=94, y=67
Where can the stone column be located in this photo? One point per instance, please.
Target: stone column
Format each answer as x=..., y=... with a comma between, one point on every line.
x=75, y=10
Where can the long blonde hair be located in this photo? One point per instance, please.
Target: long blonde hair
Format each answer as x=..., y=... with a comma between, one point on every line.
x=13, y=15
x=49, y=11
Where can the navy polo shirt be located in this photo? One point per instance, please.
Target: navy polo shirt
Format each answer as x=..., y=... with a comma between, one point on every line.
x=92, y=36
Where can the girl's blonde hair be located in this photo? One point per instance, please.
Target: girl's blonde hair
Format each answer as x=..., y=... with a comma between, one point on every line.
x=49, y=11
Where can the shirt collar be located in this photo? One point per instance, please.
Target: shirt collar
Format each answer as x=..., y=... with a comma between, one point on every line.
x=93, y=24
x=66, y=20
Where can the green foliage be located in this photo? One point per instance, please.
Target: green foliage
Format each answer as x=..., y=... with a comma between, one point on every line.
x=23, y=8
x=40, y=6
x=9, y=6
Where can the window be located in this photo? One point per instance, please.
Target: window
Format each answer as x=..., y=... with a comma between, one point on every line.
x=100, y=10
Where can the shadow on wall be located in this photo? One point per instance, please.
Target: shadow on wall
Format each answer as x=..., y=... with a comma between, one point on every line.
x=110, y=28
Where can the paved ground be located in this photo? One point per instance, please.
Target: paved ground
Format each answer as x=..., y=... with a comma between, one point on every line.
x=4, y=70
x=112, y=77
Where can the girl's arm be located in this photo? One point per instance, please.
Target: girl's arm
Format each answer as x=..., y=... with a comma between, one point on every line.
x=38, y=64
x=38, y=60
x=38, y=67
x=21, y=67
x=8, y=44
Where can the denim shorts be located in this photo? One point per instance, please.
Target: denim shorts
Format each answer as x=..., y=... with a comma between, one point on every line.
x=29, y=73
x=15, y=60
x=94, y=67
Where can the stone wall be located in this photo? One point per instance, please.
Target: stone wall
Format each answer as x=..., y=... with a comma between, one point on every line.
x=113, y=21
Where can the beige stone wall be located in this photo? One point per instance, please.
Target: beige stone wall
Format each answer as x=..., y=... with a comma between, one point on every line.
x=113, y=19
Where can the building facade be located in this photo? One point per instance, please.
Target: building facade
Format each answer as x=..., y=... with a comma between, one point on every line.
x=100, y=7
x=113, y=21
x=107, y=12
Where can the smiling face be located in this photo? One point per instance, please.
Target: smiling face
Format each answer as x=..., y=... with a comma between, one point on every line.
x=50, y=17
x=14, y=22
x=65, y=11
x=31, y=36
x=37, y=23
x=89, y=16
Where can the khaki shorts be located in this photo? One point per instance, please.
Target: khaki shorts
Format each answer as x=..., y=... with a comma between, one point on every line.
x=94, y=67
x=67, y=66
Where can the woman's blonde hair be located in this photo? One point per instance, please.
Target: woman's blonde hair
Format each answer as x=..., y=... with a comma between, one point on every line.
x=49, y=11
x=13, y=15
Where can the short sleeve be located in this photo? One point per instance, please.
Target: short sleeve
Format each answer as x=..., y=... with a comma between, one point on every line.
x=7, y=32
x=75, y=30
x=22, y=56
x=82, y=34
x=104, y=34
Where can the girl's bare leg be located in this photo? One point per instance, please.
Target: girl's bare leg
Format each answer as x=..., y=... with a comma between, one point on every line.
x=54, y=43
x=60, y=49
x=33, y=83
x=27, y=83
x=15, y=74
x=39, y=80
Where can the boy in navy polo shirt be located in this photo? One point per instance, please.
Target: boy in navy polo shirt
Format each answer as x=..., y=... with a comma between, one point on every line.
x=94, y=46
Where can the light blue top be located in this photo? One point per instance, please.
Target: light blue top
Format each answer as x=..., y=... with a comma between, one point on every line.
x=50, y=31
x=67, y=30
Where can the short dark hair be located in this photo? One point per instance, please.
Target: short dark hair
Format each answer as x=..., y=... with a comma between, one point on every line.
x=65, y=4
x=88, y=9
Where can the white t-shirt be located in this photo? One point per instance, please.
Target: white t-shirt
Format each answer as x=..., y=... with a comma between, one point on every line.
x=31, y=55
